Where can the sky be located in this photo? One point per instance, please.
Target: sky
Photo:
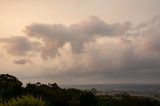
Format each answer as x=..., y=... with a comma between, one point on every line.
x=81, y=41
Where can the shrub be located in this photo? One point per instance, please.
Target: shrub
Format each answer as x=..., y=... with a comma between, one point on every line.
x=27, y=100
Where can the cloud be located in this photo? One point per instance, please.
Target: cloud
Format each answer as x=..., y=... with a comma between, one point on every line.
x=1, y=55
x=56, y=35
x=91, y=51
x=21, y=61
x=17, y=45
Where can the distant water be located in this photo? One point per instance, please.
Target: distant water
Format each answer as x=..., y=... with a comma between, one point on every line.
x=118, y=87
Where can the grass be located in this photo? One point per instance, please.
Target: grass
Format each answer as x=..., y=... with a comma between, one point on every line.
x=27, y=100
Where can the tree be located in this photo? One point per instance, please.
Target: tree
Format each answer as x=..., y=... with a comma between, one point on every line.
x=87, y=99
x=9, y=86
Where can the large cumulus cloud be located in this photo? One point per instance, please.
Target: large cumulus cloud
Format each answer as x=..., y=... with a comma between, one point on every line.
x=91, y=50
x=56, y=35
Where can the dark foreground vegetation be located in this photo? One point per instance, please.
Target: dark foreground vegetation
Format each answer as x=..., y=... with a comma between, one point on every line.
x=12, y=93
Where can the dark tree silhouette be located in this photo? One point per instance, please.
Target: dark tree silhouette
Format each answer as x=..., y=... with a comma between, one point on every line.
x=53, y=95
x=10, y=86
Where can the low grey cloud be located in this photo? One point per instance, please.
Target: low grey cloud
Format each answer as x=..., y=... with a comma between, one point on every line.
x=21, y=61
x=91, y=50
x=17, y=45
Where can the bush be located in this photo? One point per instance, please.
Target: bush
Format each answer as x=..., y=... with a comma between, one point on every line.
x=28, y=100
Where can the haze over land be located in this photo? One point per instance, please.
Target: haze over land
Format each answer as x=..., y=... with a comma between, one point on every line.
x=81, y=42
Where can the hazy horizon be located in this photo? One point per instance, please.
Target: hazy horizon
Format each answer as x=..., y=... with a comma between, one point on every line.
x=81, y=41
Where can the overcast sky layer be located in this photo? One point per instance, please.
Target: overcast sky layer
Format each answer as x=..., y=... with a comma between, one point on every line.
x=81, y=41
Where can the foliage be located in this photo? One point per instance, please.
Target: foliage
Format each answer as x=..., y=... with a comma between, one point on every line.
x=11, y=91
x=126, y=100
x=27, y=100
x=10, y=86
x=87, y=99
